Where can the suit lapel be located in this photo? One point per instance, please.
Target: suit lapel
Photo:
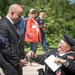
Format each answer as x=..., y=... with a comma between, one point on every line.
x=13, y=28
x=41, y=21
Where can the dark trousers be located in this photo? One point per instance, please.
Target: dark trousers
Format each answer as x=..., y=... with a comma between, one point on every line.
x=9, y=69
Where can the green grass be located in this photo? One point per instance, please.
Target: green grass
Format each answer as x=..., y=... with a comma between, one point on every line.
x=39, y=51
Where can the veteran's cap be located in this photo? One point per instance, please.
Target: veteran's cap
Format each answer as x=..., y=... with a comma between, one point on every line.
x=68, y=40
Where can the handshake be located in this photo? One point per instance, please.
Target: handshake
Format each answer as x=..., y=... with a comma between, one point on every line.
x=31, y=54
x=24, y=62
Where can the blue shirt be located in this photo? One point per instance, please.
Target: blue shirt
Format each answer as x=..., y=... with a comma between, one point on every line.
x=21, y=25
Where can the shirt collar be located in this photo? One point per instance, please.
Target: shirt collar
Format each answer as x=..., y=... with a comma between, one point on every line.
x=62, y=54
x=40, y=17
x=10, y=20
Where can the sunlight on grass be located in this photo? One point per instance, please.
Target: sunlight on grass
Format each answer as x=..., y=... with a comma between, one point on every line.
x=39, y=50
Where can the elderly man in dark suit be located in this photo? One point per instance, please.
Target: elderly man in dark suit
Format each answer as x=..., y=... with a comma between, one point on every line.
x=12, y=57
x=64, y=54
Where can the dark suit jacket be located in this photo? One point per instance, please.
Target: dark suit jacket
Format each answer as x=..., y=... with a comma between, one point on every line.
x=11, y=52
x=2, y=42
x=41, y=23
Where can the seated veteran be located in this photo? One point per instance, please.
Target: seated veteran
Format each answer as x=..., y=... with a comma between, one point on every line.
x=64, y=54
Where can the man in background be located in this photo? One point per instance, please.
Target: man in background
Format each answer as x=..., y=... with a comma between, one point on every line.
x=42, y=29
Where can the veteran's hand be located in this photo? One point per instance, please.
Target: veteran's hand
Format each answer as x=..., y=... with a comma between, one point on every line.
x=58, y=60
x=31, y=54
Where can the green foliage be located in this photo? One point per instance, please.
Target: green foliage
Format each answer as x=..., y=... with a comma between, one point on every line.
x=60, y=16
